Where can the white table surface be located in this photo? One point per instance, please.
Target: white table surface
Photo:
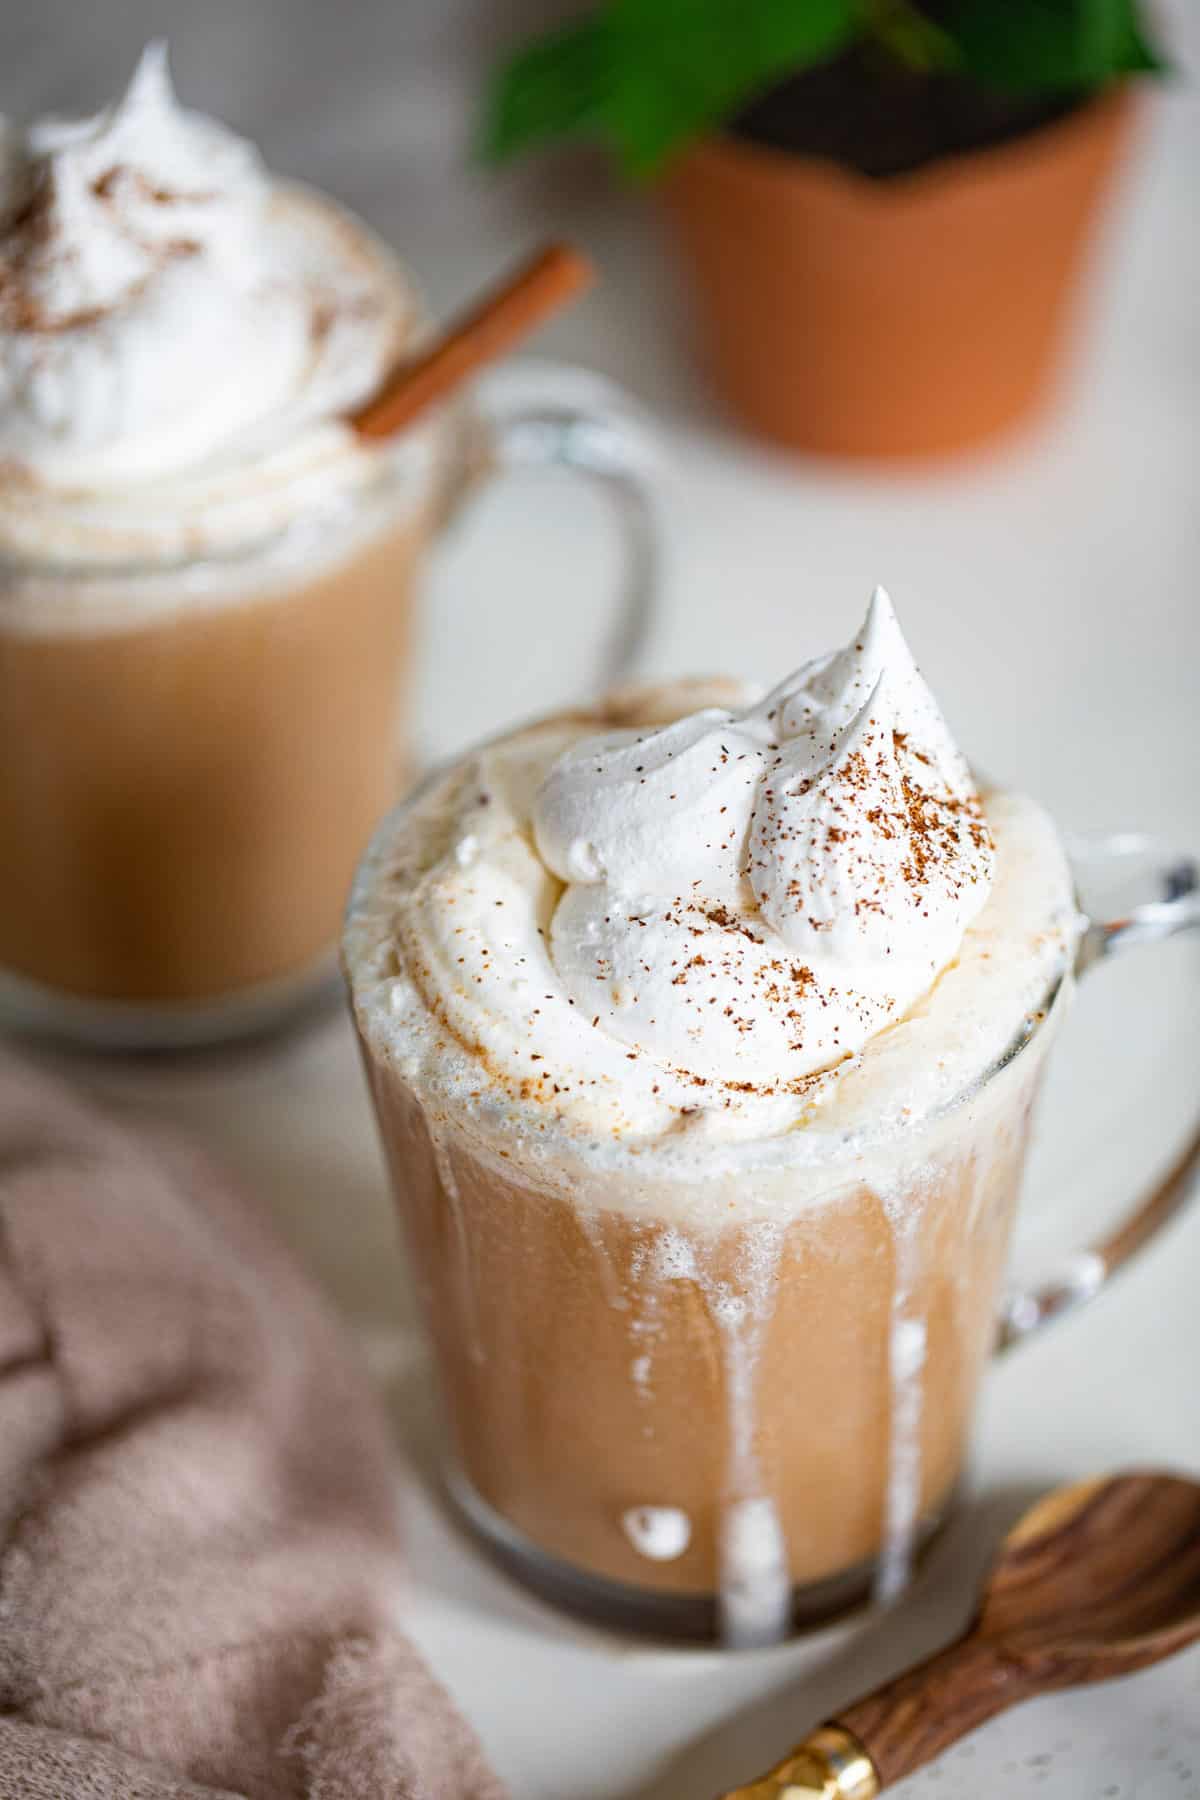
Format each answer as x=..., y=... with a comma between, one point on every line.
x=1049, y=590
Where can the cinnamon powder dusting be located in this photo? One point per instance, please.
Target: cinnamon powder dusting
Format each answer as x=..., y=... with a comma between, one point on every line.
x=29, y=247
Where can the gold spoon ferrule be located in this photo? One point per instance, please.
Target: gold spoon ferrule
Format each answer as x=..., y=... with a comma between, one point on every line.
x=829, y=1765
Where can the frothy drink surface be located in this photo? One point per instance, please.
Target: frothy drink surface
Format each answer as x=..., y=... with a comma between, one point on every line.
x=690, y=1026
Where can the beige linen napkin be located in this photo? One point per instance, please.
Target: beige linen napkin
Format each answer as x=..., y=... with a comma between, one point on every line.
x=199, y=1563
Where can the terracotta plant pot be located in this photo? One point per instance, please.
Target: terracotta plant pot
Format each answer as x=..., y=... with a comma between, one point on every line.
x=906, y=317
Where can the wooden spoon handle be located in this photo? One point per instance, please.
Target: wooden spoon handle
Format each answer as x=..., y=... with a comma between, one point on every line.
x=1097, y=1580
x=898, y=1729
x=914, y=1718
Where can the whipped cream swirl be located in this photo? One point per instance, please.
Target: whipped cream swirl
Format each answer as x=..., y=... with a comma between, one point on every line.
x=158, y=303
x=693, y=918
x=752, y=895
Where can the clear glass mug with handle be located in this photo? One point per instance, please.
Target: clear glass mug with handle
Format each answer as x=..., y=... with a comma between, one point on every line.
x=1135, y=893
x=196, y=744
x=698, y=1428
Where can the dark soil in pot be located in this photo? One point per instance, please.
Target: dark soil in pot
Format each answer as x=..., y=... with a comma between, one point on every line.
x=867, y=113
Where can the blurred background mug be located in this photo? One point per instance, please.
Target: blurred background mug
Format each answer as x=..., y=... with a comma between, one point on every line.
x=196, y=739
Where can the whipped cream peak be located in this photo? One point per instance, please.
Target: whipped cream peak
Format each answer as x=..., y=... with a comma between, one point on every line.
x=823, y=696
x=157, y=302
x=870, y=862
x=754, y=894
x=148, y=125
x=99, y=206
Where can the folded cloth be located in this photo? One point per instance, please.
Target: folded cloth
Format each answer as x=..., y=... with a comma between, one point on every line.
x=198, y=1544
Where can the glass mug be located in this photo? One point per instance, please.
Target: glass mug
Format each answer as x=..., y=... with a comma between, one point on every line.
x=193, y=752
x=728, y=1432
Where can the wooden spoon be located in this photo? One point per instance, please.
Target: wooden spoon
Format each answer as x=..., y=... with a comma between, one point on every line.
x=1096, y=1580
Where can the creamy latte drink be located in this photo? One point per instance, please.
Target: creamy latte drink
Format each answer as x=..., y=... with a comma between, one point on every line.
x=204, y=577
x=703, y=1032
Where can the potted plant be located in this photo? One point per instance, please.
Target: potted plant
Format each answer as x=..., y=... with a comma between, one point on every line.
x=885, y=204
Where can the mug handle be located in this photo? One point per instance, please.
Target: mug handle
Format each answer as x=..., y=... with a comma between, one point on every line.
x=1174, y=882
x=547, y=415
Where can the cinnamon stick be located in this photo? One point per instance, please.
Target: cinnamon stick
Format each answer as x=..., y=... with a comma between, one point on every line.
x=522, y=302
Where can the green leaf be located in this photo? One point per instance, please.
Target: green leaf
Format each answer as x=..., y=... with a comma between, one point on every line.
x=555, y=88
x=680, y=67
x=1039, y=45
x=647, y=75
